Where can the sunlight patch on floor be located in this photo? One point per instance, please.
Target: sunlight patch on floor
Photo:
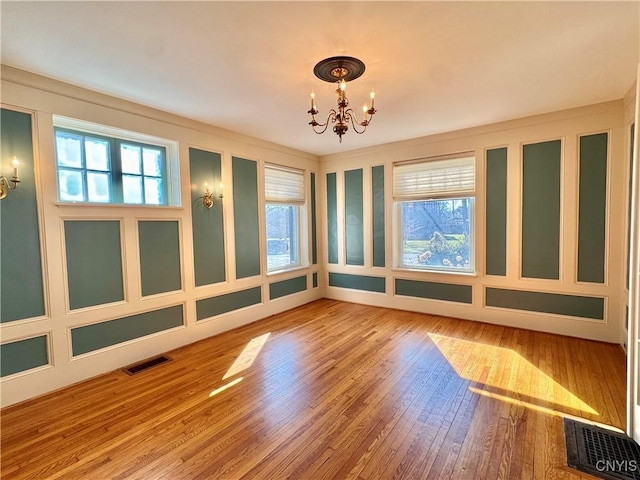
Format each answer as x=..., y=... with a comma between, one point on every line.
x=481, y=363
x=225, y=386
x=248, y=355
x=538, y=408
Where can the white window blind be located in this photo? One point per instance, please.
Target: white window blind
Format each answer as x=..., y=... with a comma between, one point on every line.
x=283, y=185
x=434, y=178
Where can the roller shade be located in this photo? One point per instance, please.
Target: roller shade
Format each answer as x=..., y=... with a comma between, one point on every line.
x=434, y=178
x=283, y=185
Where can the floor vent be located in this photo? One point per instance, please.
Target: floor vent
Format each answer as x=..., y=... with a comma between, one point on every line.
x=146, y=364
x=601, y=452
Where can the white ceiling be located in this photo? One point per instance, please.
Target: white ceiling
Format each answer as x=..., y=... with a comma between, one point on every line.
x=248, y=66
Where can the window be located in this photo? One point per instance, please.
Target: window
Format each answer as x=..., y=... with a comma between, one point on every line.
x=284, y=197
x=95, y=167
x=434, y=206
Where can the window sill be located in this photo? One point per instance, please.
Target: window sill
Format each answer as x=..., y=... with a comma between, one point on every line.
x=297, y=268
x=117, y=205
x=434, y=271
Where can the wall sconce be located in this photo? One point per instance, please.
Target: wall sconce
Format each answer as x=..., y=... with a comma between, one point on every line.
x=209, y=197
x=6, y=185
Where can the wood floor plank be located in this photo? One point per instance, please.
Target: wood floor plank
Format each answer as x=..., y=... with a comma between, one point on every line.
x=337, y=391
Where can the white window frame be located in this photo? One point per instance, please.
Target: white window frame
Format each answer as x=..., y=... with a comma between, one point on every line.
x=170, y=146
x=447, y=191
x=295, y=196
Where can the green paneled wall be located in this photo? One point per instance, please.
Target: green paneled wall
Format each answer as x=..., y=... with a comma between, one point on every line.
x=105, y=334
x=354, y=230
x=94, y=262
x=23, y=355
x=592, y=207
x=541, y=210
x=357, y=282
x=496, y=231
x=212, y=306
x=159, y=244
x=377, y=189
x=572, y=305
x=207, y=224
x=20, y=264
x=314, y=223
x=332, y=218
x=435, y=290
x=287, y=287
x=245, y=214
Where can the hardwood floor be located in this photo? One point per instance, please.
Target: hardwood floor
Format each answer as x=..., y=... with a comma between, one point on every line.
x=335, y=390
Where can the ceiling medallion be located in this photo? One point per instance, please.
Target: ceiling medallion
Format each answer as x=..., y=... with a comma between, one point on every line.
x=340, y=70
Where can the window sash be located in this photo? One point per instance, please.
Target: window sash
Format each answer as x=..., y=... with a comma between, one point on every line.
x=283, y=185
x=399, y=239
x=294, y=250
x=114, y=167
x=434, y=178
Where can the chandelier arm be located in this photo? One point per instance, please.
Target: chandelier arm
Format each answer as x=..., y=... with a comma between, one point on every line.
x=331, y=117
x=350, y=116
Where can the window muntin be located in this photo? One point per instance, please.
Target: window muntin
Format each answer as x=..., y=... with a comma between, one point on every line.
x=434, y=208
x=97, y=169
x=284, y=198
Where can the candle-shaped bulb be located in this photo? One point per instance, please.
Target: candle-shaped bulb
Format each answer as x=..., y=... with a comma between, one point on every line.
x=221, y=186
x=206, y=186
x=15, y=163
x=313, y=100
x=364, y=112
x=343, y=85
x=372, y=94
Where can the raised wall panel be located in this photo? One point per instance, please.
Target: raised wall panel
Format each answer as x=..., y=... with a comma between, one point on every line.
x=228, y=302
x=592, y=207
x=23, y=355
x=560, y=304
x=245, y=214
x=94, y=262
x=21, y=285
x=159, y=245
x=354, y=230
x=357, y=282
x=287, y=287
x=112, y=332
x=207, y=223
x=541, y=210
x=378, y=220
x=496, y=227
x=332, y=218
x=435, y=290
x=314, y=223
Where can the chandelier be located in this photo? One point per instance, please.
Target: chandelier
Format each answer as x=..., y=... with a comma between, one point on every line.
x=339, y=70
